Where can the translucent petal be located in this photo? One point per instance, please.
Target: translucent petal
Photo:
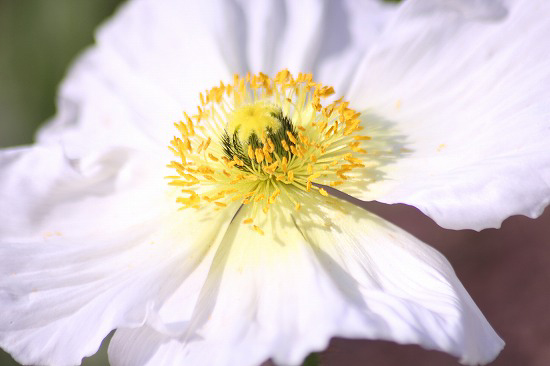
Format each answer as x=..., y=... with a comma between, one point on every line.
x=465, y=86
x=86, y=249
x=332, y=269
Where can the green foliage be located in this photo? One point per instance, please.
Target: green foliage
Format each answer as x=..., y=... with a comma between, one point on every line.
x=312, y=360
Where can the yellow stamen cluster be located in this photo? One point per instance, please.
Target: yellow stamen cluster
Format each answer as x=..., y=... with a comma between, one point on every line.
x=261, y=141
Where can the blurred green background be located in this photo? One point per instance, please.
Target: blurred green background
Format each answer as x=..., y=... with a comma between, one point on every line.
x=38, y=41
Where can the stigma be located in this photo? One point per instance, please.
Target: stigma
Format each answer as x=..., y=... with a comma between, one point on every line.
x=253, y=119
x=263, y=141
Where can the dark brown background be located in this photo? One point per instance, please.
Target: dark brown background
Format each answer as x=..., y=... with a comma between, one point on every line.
x=506, y=271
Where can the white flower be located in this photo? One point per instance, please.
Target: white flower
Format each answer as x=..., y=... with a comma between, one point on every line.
x=453, y=96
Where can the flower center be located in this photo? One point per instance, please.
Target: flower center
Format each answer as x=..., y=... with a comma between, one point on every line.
x=249, y=120
x=262, y=141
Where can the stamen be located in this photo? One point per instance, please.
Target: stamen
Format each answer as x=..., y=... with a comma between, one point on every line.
x=263, y=141
x=258, y=230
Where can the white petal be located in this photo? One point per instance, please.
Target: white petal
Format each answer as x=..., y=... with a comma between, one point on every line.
x=91, y=115
x=350, y=29
x=464, y=84
x=302, y=38
x=328, y=38
x=84, y=251
x=152, y=59
x=42, y=190
x=149, y=65
x=324, y=37
x=249, y=32
x=333, y=270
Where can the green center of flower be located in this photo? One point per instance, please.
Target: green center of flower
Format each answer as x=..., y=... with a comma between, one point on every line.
x=252, y=120
x=263, y=141
x=260, y=135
